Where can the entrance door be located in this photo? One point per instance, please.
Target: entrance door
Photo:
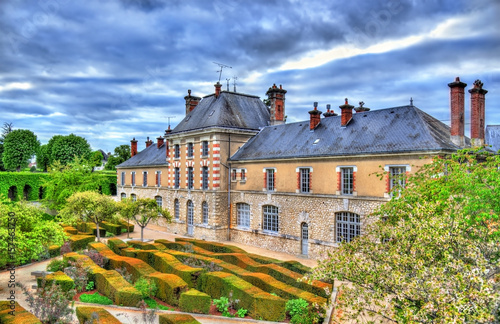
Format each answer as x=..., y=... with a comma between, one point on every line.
x=190, y=218
x=305, y=238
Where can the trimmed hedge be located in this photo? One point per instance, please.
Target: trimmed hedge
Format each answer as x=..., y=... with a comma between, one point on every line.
x=90, y=229
x=80, y=242
x=255, y=300
x=87, y=262
x=167, y=263
x=290, y=265
x=70, y=230
x=212, y=246
x=177, y=319
x=127, y=226
x=116, y=245
x=194, y=301
x=169, y=286
x=111, y=228
x=60, y=278
x=112, y=285
x=129, y=252
x=84, y=315
x=271, y=285
x=54, y=250
x=178, y=246
x=21, y=316
x=146, y=245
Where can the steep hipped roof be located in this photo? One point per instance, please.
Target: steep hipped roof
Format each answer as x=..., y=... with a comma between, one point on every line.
x=150, y=156
x=228, y=110
x=492, y=137
x=391, y=130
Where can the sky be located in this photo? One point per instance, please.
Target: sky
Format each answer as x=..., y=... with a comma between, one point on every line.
x=117, y=69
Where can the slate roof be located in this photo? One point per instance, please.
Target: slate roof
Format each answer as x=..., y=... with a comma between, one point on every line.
x=492, y=137
x=391, y=130
x=150, y=156
x=228, y=110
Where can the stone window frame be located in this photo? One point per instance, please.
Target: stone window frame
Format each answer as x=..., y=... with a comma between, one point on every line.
x=177, y=178
x=190, y=150
x=300, y=185
x=204, y=178
x=270, y=187
x=123, y=196
x=204, y=212
x=159, y=201
x=123, y=178
x=132, y=178
x=205, y=148
x=270, y=219
x=190, y=178
x=158, y=178
x=189, y=210
x=391, y=180
x=243, y=175
x=144, y=178
x=177, y=151
x=243, y=215
x=347, y=226
x=177, y=209
x=134, y=197
x=340, y=169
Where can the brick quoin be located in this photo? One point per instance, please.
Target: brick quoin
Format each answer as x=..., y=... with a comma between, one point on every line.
x=215, y=145
x=353, y=181
x=339, y=177
x=265, y=179
x=298, y=180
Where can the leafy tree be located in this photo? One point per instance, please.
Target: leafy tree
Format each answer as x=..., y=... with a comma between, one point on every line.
x=65, y=180
x=96, y=159
x=143, y=211
x=128, y=209
x=121, y=154
x=19, y=147
x=43, y=157
x=2, y=168
x=89, y=206
x=65, y=148
x=6, y=129
x=433, y=254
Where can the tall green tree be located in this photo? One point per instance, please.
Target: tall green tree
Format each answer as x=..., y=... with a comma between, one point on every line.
x=88, y=206
x=128, y=208
x=121, y=154
x=65, y=180
x=20, y=146
x=6, y=129
x=43, y=157
x=431, y=255
x=143, y=211
x=65, y=148
x=96, y=159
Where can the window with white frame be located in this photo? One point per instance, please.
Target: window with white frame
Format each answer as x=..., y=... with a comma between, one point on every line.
x=176, y=209
x=190, y=211
x=134, y=197
x=123, y=178
x=348, y=226
x=190, y=150
x=270, y=179
x=397, y=180
x=347, y=180
x=145, y=179
x=243, y=174
x=204, y=211
x=159, y=201
x=190, y=176
x=177, y=151
x=204, y=148
x=177, y=178
x=158, y=178
x=243, y=215
x=270, y=219
x=305, y=174
x=204, y=178
x=132, y=178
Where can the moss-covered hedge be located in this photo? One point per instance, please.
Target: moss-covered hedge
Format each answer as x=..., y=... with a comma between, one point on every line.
x=167, y=263
x=54, y=250
x=86, y=262
x=90, y=228
x=290, y=265
x=111, y=228
x=112, y=285
x=194, y=301
x=70, y=230
x=20, y=180
x=84, y=315
x=116, y=245
x=177, y=319
x=212, y=246
x=127, y=226
x=179, y=246
x=259, y=303
x=169, y=286
x=60, y=278
x=146, y=245
x=21, y=316
x=80, y=242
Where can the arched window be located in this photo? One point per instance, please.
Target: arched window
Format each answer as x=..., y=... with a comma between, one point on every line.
x=176, y=209
x=159, y=201
x=348, y=226
x=243, y=214
x=190, y=212
x=134, y=197
x=204, y=211
x=270, y=219
x=123, y=195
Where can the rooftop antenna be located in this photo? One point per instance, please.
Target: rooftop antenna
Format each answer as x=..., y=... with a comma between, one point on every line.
x=168, y=117
x=234, y=82
x=411, y=101
x=221, y=66
x=228, y=83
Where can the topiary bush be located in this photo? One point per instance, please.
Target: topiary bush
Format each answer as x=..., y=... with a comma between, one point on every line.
x=177, y=319
x=59, y=278
x=90, y=314
x=194, y=301
x=22, y=316
x=80, y=242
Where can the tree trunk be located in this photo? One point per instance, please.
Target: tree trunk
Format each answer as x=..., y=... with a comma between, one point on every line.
x=98, y=234
x=142, y=234
x=18, y=169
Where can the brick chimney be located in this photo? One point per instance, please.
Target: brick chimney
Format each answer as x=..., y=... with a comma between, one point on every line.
x=457, y=100
x=315, y=117
x=191, y=102
x=361, y=108
x=133, y=147
x=159, y=141
x=329, y=113
x=346, y=113
x=149, y=142
x=276, y=97
x=477, y=114
x=217, y=89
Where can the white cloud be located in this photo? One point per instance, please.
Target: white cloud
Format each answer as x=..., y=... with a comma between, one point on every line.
x=16, y=85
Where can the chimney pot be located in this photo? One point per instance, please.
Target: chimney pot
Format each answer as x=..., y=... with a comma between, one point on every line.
x=217, y=88
x=346, y=113
x=159, y=141
x=148, y=142
x=457, y=112
x=133, y=147
x=276, y=99
x=477, y=113
x=315, y=117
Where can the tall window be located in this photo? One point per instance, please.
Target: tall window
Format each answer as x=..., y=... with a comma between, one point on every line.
x=176, y=209
x=270, y=179
x=270, y=221
x=204, y=211
x=190, y=212
x=123, y=196
x=347, y=180
x=159, y=201
x=397, y=180
x=204, y=148
x=190, y=178
x=190, y=150
x=145, y=179
x=204, y=178
x=304, y=180
x=134, y=197
x=132, y=176
x=158, y=178
x=243, y=175
x=177, y=151
x=177, y=178
x=243, y=214
x=348, y=226
x=234, y=173
x=123, y=178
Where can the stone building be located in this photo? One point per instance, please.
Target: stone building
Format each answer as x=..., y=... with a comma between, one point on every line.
x=232, y=169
